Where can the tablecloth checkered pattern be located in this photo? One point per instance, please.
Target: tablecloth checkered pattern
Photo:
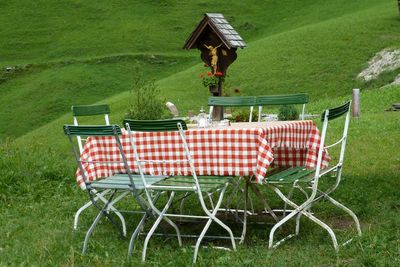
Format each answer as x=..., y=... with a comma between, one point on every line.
x=222, y=152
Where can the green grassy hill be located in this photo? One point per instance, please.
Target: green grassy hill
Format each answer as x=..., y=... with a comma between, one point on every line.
x=43, y=31
x=80, y=53
x=321, y=59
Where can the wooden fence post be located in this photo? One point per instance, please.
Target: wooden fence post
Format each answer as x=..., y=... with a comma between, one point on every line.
x=356, y=103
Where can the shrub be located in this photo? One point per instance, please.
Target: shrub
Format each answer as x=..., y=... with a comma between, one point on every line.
x=242, y=115
x=145, y=103
x=288, y=113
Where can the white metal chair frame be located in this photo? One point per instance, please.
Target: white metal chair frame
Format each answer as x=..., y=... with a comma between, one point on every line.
x=317, y=194
x=162, y=214
x=125, y=183
x=99, y=196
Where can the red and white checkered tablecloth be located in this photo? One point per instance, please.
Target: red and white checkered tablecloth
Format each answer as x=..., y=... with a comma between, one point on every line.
x=239, y=150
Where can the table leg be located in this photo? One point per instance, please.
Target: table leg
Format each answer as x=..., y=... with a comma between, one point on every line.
x=246, y=196
x=267, y=208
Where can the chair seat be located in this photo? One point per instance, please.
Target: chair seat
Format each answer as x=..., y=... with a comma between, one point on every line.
x=299, y=174
x=122, y=181
x=165, y=183
x=186, y=183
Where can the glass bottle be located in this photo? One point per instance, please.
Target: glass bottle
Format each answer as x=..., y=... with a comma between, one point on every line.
x=202, y=120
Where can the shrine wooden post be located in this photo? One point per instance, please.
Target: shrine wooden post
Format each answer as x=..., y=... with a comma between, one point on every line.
x=217, y=41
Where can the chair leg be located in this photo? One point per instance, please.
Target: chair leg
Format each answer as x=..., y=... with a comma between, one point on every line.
x=277, y=225
x=183, y=201
x=107, y=214
x=235, y=191
x=346, y=209
x=155, y=225
x=299, y=216
x=238, y=192
x=178, y=233
x=325, y=226
x=246, y=197
x=201, y=236
x=303, y=210
x=213, y=218
x=89, y=232
x=136, y=233
x=211, y=201
x=296, y=211
x=221, y=197
x=103, y=212
x=140, y=225
x=289, y=196
x=87, y=205
x=110, y=207
x=298, y=223
x=267, y=208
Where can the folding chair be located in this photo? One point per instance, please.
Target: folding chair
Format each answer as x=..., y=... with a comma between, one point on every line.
x=118, y=182
x=95, y=111
x=289, y=99
x=194, y=185
x=308, y=180
x=234, y=101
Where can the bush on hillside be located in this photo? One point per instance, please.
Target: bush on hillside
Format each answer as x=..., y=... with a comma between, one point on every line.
x=242, y=115
x=145, y=102
x=288, y=113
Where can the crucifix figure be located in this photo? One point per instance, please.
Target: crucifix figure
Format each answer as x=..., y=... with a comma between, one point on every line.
x=214, y=56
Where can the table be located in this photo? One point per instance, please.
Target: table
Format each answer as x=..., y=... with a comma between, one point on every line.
x=242, y=149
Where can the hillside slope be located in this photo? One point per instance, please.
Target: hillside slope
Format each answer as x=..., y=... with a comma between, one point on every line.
x=321, y=59
x=319, y=49
x=42, y=31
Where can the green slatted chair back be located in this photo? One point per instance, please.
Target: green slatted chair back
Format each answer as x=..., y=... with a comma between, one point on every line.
x=289, y=99
x=92, y=130
x=155, y=125
x=237, y=101
x=89, y=111
x=326, y=117
x=282, y=99
x=336, y=112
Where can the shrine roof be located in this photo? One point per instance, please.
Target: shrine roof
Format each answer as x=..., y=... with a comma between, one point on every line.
x=222, y=29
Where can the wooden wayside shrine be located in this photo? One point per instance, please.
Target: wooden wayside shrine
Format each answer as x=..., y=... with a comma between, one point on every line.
x=217, y=41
